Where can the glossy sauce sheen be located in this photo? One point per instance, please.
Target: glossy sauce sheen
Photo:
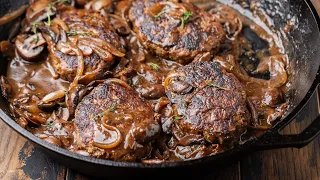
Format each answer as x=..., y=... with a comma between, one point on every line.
x=146, y=74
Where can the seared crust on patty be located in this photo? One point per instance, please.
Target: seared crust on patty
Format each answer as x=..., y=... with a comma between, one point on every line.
x=209, y=101
x=176, y=31
x=115, y=107
x=87, y=30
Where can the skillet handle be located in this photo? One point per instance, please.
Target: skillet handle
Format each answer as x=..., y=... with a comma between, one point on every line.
x=274, y=140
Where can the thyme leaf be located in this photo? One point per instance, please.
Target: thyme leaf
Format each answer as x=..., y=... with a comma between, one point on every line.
x=50, y=125
x=34, y=27
x=176, y=118
x=74, y=33
x=185, y=18
x=213, y=84
x=154, y=66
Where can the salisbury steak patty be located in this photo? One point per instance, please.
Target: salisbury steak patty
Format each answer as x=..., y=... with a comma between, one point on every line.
x=178, y=31
x=94, y=36
x=208, y=101
x=114, y=123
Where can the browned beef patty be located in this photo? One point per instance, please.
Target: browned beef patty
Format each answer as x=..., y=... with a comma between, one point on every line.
x=176, y=31
x=94, y=28
x=114, y=116
x=208, y=101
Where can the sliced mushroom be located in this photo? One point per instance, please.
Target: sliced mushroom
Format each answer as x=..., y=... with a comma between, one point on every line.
x=74, y=96
x=47, y=107
x=29, y=48
x=119, y=24
x=6, y=88
x=48, y=31
x=53, y=140
x=36, y=119
x=39, y=11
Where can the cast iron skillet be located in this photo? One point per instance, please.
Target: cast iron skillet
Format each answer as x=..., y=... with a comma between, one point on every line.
x=303, y=49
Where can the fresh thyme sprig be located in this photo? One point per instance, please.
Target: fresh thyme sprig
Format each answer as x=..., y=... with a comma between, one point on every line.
x=48, y=23
x=111, y=109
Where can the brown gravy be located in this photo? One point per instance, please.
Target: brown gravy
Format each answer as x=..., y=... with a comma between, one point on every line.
x=254, y=49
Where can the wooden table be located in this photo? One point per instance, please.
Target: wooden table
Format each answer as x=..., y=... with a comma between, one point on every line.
x=21, y=160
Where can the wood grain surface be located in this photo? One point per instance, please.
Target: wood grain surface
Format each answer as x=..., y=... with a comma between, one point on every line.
x=20, y=160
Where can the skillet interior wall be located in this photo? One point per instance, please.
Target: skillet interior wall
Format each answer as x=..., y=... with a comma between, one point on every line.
x=301, y=43
x=293, y=23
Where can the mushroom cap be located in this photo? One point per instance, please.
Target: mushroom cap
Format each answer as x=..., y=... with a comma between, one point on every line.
x=29, y=48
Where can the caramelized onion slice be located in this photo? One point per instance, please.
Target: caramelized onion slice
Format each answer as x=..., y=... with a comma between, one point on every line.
x=278, y=74
x=13, y=15
x=64, y=47
x=86, y=50
x=102, y=53
x=88, y=5
x=53, y=96
x=99, y=4
x=171, y=75
x=80, y=68
x=62, y=24
x=115, y=143
x=102, y=44
x=233, y=29
x=118, y=81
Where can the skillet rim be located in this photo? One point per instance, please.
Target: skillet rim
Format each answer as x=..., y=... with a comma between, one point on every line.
x=104, y=162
